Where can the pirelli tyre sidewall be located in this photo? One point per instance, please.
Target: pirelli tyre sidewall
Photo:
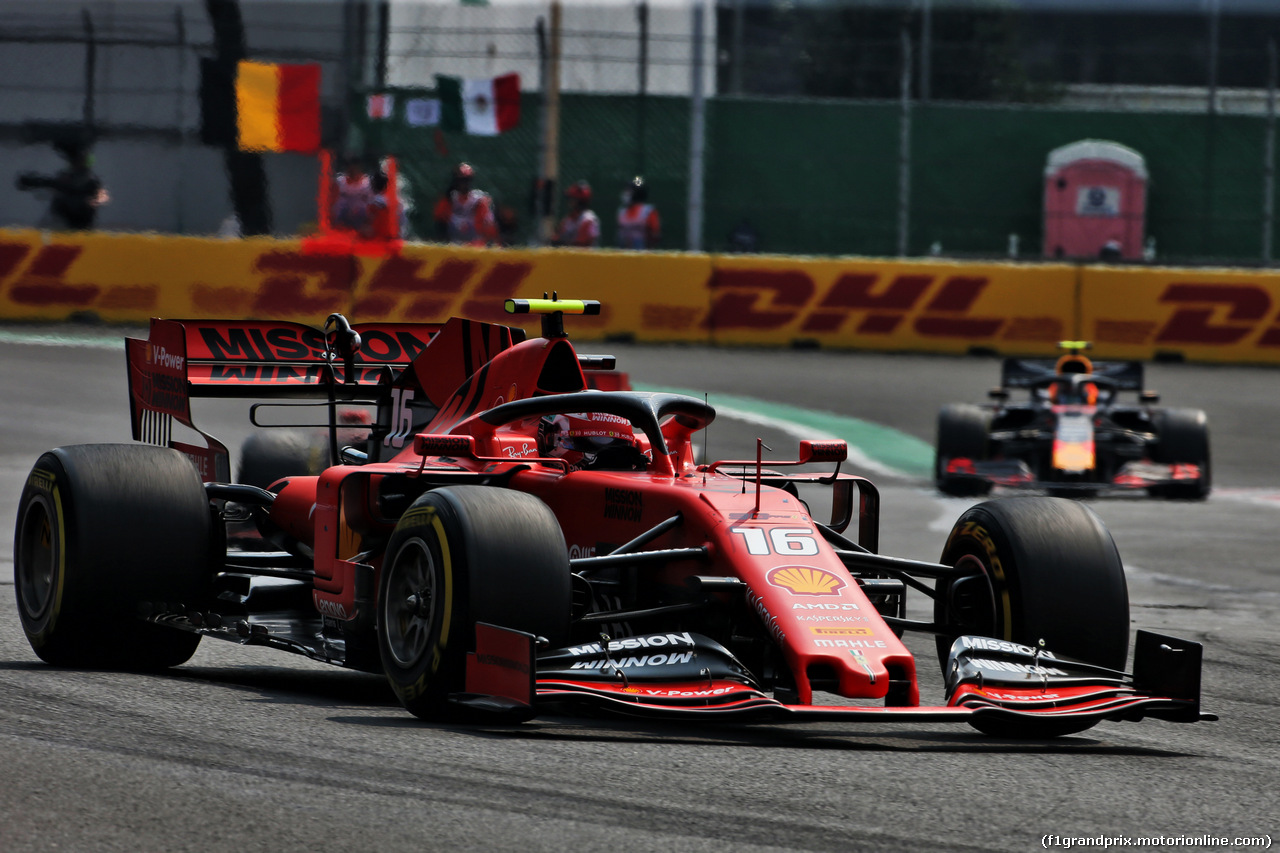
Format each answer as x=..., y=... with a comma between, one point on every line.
x=39, y=553
x=103, y=533
x=420, y=614
x=462, y=555
x=1052, y=573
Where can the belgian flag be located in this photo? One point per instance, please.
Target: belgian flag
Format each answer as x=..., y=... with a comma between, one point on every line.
x=258, y=106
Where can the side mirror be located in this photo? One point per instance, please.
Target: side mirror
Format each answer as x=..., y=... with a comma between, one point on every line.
x=1000, y=394
x=1148, y=397
x=425, y=444
x=823, y=451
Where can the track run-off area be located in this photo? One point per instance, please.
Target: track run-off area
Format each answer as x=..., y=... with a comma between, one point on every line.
x=264, y=750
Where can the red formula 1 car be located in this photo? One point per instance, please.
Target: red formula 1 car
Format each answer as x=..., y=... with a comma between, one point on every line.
x=1073, y=434
x=508, y=542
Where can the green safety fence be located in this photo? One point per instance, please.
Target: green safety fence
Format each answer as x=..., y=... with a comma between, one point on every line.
x=823, y=176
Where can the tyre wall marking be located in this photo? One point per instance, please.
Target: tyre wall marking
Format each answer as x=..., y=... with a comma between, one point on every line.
x=55, y=606
x=428, y=515
x=62, y=558
x=978, y=532
x=46, y=481
x=446, y=561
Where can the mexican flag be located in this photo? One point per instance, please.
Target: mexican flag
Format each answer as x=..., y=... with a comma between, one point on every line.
x=481, y=107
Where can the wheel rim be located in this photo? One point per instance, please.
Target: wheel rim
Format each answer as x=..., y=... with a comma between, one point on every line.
x=409, y=607
x=970, y=603
x=37, y=569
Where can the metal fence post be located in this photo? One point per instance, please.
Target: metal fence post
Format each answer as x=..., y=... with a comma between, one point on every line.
x=904, y=150
x=551, y=127
x=697, y=132
x=926, y=49
x=181, y=27
x=384, y=38
x=1269, y=157
x=90, y=69
x=735, y=69
x=1210, y=123
x=642, y=18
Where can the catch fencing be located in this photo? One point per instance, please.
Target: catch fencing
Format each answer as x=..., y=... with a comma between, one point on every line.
x=882, y=130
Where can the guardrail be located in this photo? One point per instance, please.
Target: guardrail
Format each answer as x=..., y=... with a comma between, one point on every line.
x=839, y=303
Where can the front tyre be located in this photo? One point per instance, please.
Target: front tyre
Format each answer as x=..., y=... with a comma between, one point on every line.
x=103, y=529
x=963, y=433
x=1040, y=568
x=462, y=555
x=1183, y=438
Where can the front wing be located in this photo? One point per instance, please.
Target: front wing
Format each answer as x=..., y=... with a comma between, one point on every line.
x=1017, y=474
x=987, y=680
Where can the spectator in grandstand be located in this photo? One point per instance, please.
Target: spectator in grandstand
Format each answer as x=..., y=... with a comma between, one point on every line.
x=381, y=223
x=353, y=196
x=77, y=191
x=465, y=215
x=580, y=227
x=638, y=224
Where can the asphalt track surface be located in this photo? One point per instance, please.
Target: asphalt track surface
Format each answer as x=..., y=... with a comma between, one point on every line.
x=260, y=750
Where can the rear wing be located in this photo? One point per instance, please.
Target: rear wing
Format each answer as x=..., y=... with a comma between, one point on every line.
x=181, y=359
x=1028, y=372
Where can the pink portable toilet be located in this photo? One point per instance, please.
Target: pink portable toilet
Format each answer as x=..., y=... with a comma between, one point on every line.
x=1095, y=201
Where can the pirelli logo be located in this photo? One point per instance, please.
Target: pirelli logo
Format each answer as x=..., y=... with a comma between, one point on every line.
x=839, y=631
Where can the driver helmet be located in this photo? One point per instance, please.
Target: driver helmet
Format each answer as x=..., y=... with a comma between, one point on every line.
x=589, y=439
x=1074, y=363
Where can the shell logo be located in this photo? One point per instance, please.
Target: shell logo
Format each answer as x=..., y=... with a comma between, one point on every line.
x=806, y=580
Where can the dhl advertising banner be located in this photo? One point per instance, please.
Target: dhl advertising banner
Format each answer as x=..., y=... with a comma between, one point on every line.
x=849, y=303
x=658, y=297
x=126, y=278
x=1199, y=315
x=892, y=305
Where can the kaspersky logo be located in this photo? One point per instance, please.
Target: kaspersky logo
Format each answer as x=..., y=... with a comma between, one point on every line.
x=805, y=580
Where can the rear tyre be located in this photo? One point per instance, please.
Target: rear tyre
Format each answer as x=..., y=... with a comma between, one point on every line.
x=1183, y=437
x=272, y=455
x=1042, y=569
x=103, y=530
x=462, y=555
x=963, y=431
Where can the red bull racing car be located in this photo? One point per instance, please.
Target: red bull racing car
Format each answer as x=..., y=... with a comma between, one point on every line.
x=1074, y=434
x=505, y=542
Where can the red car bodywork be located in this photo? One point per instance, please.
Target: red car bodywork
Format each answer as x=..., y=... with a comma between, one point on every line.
x=459, y=403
